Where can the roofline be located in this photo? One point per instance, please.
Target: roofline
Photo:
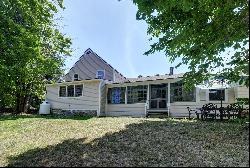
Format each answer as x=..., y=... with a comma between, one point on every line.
x=74, y=82
x=150, y=80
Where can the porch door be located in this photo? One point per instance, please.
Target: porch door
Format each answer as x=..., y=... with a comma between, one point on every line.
x=158, y=96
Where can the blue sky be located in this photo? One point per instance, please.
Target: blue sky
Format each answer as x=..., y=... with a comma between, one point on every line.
x=110, y=29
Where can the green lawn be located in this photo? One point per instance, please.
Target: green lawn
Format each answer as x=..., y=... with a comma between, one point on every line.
x=124, y=141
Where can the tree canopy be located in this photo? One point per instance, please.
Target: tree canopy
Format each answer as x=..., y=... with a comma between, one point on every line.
x=32, y=49
x=198, y=31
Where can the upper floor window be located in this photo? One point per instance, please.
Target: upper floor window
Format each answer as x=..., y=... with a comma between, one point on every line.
x=178, y=94
x=100, y=74
x=76, y=77
x=216, y=94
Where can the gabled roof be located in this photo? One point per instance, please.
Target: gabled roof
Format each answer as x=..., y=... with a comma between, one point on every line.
x=89, y=56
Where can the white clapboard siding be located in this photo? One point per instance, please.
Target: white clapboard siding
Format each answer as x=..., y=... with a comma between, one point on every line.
x=243, y=92
x=137, y=109
x=179, y=109
x=103, y=99
x=89, y=100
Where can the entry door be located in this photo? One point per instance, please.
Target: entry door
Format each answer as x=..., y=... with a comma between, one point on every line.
x=158, y=96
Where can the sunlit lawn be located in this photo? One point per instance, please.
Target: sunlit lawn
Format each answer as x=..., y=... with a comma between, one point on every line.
x=124, y=141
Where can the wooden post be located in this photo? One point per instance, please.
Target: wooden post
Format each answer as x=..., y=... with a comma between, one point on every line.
x=168, y=104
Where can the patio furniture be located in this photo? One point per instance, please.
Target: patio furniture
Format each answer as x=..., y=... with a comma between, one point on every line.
x=194, y=111
x=234, y=110
x=190, y=111
x=209, y=111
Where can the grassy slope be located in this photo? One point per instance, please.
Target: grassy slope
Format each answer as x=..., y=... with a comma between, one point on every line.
x=40, y=141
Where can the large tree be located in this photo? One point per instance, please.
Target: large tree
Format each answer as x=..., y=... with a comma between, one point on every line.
x=32, y=49
x=199, y=31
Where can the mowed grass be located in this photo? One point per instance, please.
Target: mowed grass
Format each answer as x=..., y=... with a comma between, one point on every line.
x=123, y=141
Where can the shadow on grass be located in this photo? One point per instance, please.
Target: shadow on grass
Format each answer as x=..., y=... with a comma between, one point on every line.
x=49, y=116
x=150, y=143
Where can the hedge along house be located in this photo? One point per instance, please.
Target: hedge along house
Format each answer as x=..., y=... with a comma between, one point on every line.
x=94, y=87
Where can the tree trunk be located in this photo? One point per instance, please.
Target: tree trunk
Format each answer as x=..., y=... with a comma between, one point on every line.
x=26, y=104
x=17, y=110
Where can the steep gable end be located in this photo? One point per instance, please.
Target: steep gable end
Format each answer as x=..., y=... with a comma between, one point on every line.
x=92, y=66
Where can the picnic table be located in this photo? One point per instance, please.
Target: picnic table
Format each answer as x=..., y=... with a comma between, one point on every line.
x=211, y=111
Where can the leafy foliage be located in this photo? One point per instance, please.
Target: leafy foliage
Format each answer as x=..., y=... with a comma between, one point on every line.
x=244, y=101
x=31, y=49
x=198, y=31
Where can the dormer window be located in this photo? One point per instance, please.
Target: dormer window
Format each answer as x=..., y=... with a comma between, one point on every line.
x=100, y=74
x=76, y=77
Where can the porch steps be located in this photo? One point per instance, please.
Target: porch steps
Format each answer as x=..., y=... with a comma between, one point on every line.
x=157, y=113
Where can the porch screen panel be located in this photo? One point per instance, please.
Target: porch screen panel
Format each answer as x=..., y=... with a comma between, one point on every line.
x=116, y=95
x=137, y=94
x=178, y=94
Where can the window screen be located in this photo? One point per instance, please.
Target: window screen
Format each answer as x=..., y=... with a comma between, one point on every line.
x=62, y=91
x=100, y=74
x=78, y=90
x=116, y=95
x=216, y=94
x=178, y=94
x=70, y=90
x=137, y=94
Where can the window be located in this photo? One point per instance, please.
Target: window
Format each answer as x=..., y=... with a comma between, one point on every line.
x=78, y=90
x=70, y=90
x=76, y=77
x=100, y=74
x=178, y=94
x=216, y=94
x=62, y=91
x=116, y=95
x=137, y=94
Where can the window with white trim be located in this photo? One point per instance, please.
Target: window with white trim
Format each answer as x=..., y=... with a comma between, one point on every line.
x=216, y=94
x=78, y=90
x=100, y=74
x=71, y=90
x=116, y=95
x=137, y=94
x=179, y=94
x=62, y=91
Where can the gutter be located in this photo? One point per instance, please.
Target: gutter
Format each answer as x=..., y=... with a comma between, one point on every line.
x=74, y=82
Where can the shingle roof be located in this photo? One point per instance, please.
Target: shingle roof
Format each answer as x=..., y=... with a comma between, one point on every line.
x=150, y=78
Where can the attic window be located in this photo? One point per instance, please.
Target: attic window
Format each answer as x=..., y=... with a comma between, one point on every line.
x=88, y=52
x=76, y=77
x=100, y=74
